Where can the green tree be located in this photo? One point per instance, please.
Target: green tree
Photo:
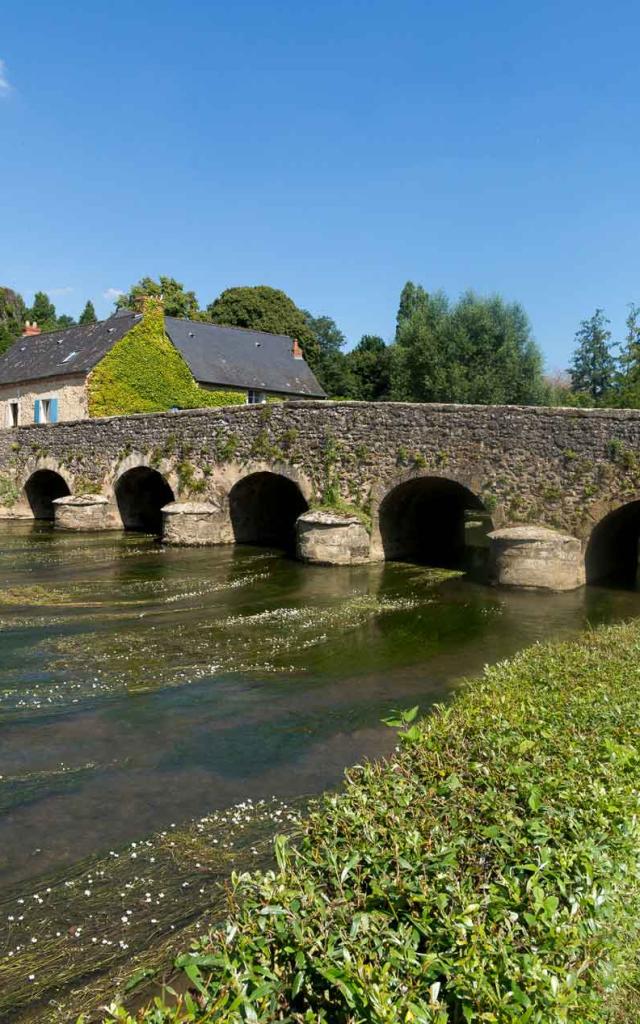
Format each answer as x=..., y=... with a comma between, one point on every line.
x=265, y=309
x=64, y=321
x=479, y=350
x=88, y=315
x=177, y=301
x=413, y=298
x=12, y=317
x=43, y=312
x=419, y=360
x=626, y=390
x=330, y=364
x=593, y=365
x=370, y=365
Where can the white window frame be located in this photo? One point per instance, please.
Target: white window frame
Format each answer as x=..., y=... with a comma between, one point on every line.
x=45, y=410
x=13, y=412
x=255, y=397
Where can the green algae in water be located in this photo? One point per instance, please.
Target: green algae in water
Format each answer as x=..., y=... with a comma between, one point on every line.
x=82, y=935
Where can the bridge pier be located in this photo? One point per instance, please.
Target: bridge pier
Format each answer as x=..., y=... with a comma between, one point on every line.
x=326, y=538
x=535, y=557
x=84, y=512
x=195, y=524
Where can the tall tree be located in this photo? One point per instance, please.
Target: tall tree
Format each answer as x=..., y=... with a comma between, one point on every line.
x=593, y=365
x=12, y=317
x=265, y=309
x=413, y=299
x=177, y=301
x=330, y=364
x=88, y=315
x=370, y=365
x=627, y=382
x=64, y=321
x=419, y=358
x=477, y=350
x=43, y=312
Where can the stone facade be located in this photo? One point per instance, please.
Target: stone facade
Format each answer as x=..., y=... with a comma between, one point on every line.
x=563, y=468
x=70, y=391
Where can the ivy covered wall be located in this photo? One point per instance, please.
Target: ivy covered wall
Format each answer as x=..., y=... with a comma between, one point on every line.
x=144, y=372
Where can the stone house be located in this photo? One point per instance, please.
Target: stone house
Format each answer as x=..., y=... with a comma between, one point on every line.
x=46, y=377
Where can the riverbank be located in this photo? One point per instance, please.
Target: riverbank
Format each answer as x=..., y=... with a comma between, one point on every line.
x=488, y=872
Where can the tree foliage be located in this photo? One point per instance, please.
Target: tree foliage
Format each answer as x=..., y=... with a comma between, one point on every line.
x=43, y=312
x=593, y=365
x=330, y=364
x=177, y=301
x=88, y=315
x=12, y=317
x=477, y=350
x=263, y=308
x=370, y=365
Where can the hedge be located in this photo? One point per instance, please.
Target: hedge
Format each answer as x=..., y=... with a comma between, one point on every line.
x=488, y=872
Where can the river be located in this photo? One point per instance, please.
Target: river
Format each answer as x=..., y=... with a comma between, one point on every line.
x=144, y=687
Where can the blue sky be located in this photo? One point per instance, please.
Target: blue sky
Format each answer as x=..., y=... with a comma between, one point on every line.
x=332, y=149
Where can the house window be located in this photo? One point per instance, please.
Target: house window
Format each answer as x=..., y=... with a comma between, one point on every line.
x=12, y=414
x=46, y=410
x=255, y=397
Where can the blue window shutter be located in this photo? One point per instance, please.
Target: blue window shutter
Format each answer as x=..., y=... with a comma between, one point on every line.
x=53, y=410
x=36, y=411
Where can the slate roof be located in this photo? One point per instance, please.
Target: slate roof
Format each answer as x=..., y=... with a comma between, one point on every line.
x=75, y=350
x=237, y=357
x=224, y=356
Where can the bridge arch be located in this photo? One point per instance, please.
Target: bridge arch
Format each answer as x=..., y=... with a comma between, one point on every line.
x=41, y=489
x=613, y=546
x=263, y=508
x=140, y=494
x=428, y=520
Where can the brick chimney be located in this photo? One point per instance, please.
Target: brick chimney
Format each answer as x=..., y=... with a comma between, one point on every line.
x=30, y=329
x=296, y=351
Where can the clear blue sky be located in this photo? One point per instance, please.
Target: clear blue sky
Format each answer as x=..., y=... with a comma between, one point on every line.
x=332, y=149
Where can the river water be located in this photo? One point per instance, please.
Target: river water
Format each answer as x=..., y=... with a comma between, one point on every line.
x=142, y=687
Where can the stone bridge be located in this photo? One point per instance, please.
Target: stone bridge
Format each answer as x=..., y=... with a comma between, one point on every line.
x=421, y=477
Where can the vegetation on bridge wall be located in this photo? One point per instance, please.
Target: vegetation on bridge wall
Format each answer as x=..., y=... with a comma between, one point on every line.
x=144, y=372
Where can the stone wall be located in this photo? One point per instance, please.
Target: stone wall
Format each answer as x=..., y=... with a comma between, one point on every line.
x=565, y=468
x=70, y=391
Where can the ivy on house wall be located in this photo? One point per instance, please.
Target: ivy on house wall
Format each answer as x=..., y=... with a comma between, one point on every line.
x=144, y=372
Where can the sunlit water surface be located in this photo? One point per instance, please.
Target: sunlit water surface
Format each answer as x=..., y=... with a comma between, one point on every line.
x=142, y=686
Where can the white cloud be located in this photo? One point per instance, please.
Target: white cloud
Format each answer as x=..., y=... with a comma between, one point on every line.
x=5, y=85
x=112, y=294
x=60, y=291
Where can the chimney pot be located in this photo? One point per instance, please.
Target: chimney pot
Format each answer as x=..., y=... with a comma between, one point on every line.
x=296, y=351
x=30, y=329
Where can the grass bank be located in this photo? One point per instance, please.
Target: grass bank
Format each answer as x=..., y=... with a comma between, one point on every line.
x=487, y=873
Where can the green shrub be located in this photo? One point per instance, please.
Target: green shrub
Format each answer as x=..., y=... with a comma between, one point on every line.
x=487, y=873
x=9, y=491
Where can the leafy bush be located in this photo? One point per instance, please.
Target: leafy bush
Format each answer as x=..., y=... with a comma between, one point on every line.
x=9, y=491
x=486, y=873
